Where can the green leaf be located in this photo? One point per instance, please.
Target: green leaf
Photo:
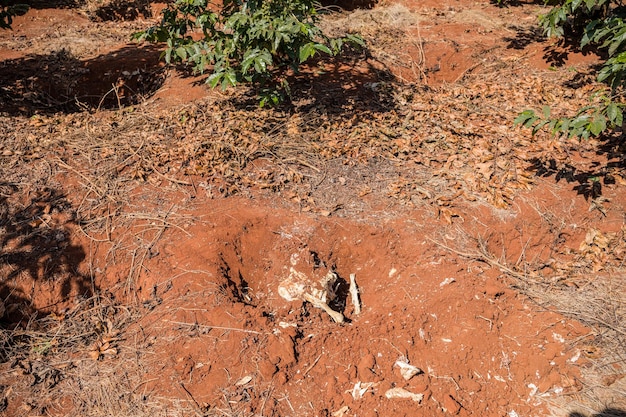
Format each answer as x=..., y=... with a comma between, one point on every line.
x=306, y=51
x=590, y=4
x=597, y=125
x=229, y=79
x=539, y=126
x=323, y=48
x=611, y=112
x=356, y=40
x=214, y=79
x=255, y=41
x=181, y=52
x=524, y=117
x=619, y=118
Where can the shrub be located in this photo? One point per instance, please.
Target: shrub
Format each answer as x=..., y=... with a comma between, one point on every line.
x=254, y=41
x=600, y=24
x=8, y=10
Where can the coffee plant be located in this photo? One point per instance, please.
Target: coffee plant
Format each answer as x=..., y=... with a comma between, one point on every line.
x=599, y=24
x=253, y=41
x=8, y=10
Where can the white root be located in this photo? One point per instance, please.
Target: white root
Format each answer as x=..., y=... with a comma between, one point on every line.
x=402, y=393
x=316, y=302
x=360, y=388
x=340, y=413
x=354, y=293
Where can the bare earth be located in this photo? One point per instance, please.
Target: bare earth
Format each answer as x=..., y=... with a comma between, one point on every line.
x=149, y=226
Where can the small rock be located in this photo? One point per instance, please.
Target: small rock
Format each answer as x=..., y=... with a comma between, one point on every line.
x=366, y=366
x=267, y=369
x=451, y=405
x=406, y=370
x=470, y=385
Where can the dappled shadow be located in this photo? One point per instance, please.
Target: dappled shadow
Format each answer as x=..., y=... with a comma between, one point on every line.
x=36, y=251
x=109, y=10
x=607, y=412
x=349, y=5
x=583, y=78
x=555, y=53
x=59, y=82
x=524, y=37
x=346, y=85
x=515, y=3
x=117, y=10
x=588, y=182
x=53, y=4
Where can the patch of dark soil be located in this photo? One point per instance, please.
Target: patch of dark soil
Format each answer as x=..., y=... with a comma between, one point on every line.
x=54, y=4
x=120, y=10
x=39, y=261
x=58, y=82
x=588, y=179
x=525, y=36
x=350, y=4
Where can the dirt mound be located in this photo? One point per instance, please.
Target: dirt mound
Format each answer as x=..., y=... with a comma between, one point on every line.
x=232, y=340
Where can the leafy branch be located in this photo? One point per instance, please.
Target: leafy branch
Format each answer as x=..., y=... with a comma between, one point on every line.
x=603, y=26
x=255, y=41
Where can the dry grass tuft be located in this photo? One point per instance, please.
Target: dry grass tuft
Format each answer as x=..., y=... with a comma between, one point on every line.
x=385, y=30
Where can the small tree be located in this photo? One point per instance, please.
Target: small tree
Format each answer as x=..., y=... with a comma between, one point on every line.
x=254, y=41
x=598, y=23
x=8, y=11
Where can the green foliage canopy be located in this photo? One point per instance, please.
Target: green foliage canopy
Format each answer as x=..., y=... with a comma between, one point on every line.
x=254, y=41
x=600, y=24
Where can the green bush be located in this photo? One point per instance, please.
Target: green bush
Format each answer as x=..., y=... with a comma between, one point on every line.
x=255, y=41
x=8, y=10
x=599, y=24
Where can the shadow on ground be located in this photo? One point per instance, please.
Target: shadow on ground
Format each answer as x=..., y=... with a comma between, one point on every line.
x=346, y=84
x=588, y=182
x=59, y=82
x=524, y=37
x=607, y=412
x=350, y=85
x=36, y=252
x=555, y=53
x=108, y=10
x=515, y=3
x=349, y=4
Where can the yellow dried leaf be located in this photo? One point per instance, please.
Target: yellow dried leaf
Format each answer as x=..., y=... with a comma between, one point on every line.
x=485, y=169
x=446, y=214
x=589, y=237
x=365, y=191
